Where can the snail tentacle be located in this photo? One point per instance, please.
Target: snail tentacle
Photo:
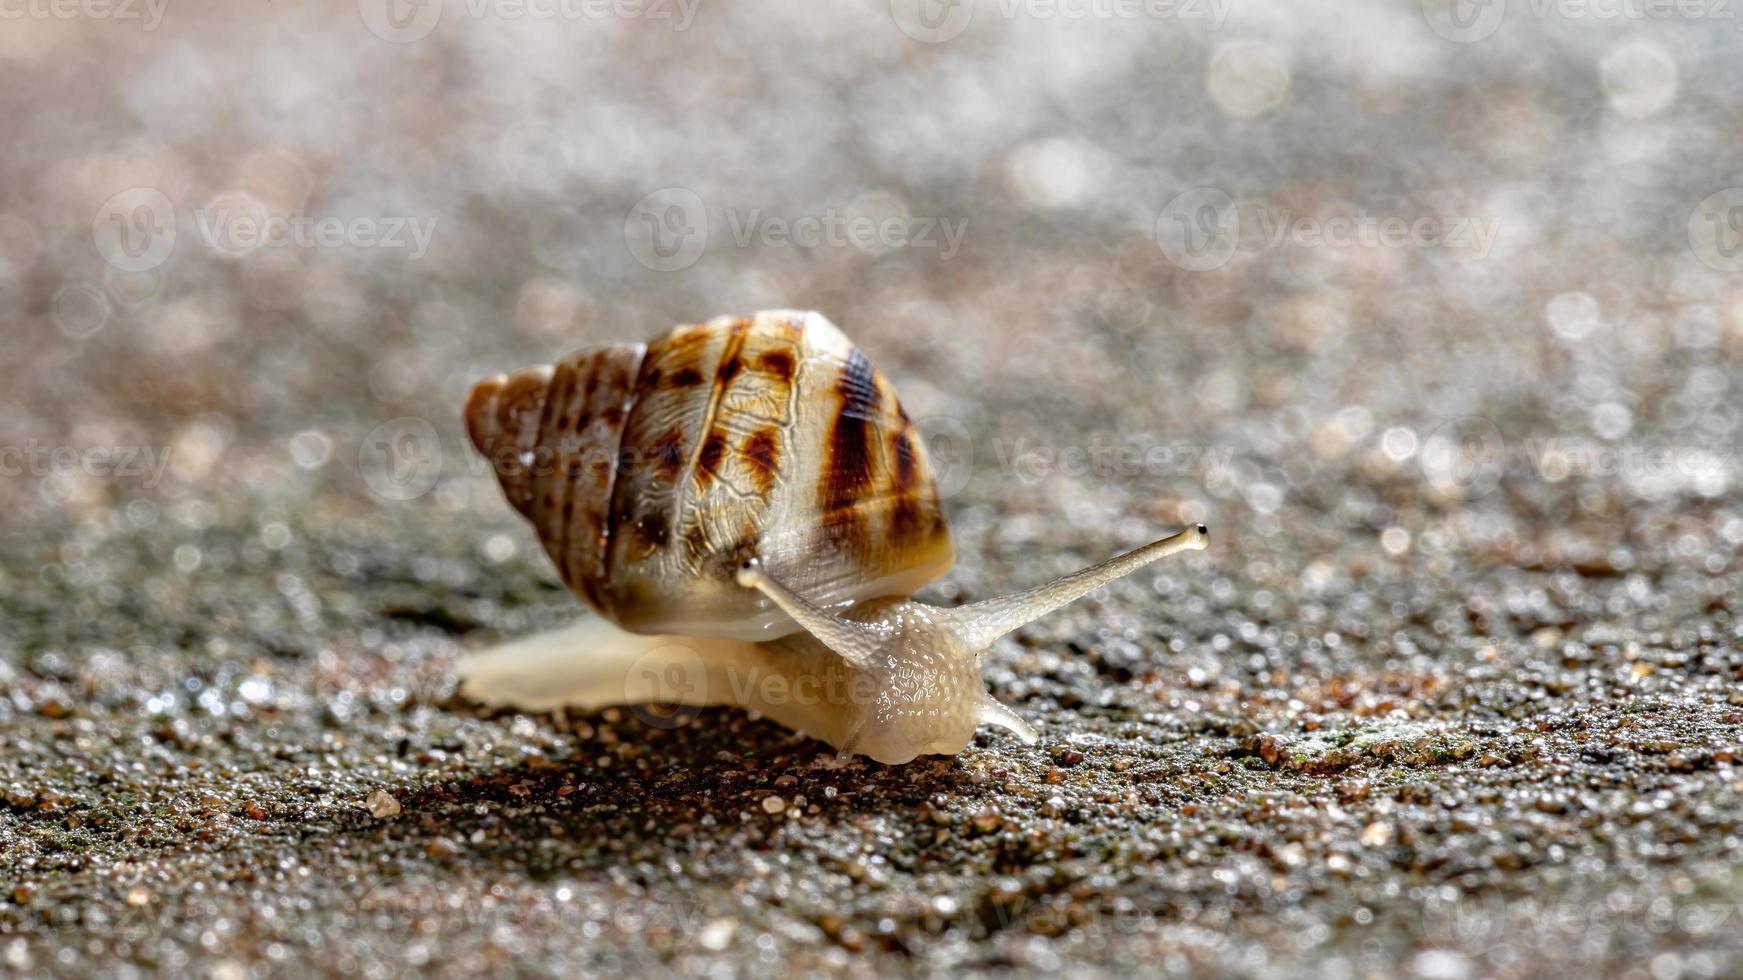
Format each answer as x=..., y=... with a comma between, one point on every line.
x=980, y=623
x=1001, y=716
x=856, y=643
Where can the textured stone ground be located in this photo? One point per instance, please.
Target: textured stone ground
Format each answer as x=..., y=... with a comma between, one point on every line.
x=1299, y=751
x=1457, y=691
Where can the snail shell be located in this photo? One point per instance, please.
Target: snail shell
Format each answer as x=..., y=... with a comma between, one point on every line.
x=653, y=471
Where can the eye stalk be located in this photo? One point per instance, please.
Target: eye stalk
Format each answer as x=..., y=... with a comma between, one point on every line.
x=907, y=639
x=857, y=643
x=980, y=623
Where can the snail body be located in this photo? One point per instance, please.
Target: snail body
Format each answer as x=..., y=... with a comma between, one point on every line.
x=746, y=506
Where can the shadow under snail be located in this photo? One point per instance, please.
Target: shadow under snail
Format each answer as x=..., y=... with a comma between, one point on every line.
x=746, y=506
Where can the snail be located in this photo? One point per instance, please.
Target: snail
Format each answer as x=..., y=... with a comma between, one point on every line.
x=746, y=506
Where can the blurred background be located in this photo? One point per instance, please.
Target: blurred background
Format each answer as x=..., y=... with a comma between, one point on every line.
x=1274, y=237
x=1431, y=310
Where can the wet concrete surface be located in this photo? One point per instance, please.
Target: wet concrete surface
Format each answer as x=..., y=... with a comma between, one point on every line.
x=1291, y=752
x=1457, y=691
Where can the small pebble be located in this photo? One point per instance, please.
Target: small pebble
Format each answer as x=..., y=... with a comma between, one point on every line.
x=382, y=804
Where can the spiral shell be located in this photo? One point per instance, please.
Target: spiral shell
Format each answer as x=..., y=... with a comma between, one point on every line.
x=653, y=471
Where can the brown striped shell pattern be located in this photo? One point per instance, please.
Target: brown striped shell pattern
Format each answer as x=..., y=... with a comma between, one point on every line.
x=653, y=471
x=747, y=506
